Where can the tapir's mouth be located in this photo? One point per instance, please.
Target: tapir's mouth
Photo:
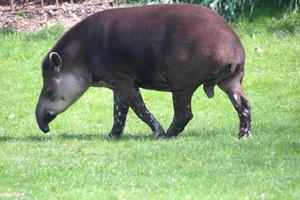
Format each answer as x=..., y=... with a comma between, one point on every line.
x=48, y=117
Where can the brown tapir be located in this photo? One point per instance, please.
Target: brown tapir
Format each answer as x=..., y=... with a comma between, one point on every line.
x=173, y=48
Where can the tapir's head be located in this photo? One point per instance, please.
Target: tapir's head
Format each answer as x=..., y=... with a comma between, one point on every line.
x=64, y=81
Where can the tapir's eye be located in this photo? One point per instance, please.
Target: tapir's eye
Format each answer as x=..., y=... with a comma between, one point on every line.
x=49, y=93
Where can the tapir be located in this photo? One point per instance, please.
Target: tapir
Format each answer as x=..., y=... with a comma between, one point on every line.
x=173, y=48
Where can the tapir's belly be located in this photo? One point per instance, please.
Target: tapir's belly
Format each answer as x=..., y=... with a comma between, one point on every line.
x=156, y=86
x=156, y=80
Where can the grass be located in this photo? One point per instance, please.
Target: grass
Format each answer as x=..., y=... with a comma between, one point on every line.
x=207, y=161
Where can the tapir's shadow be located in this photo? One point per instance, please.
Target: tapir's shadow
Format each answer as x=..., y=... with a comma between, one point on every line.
x=75, y=136
x=103, y=137
x=203, y=134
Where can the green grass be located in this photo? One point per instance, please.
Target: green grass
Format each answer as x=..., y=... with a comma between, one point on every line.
x=207, y=161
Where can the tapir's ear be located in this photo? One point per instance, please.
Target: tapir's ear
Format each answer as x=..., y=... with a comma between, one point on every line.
x=55, y=59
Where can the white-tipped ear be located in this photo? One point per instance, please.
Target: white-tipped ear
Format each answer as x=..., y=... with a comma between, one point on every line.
x=56, y=60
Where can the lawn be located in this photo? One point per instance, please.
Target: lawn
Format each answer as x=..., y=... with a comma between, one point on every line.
x=207, y=161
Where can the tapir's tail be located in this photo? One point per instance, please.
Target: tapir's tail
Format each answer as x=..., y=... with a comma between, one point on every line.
x=209, y=84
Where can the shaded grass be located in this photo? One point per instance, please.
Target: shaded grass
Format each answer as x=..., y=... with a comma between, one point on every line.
x=207, y=161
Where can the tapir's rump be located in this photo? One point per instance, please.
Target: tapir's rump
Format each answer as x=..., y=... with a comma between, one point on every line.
x=173, y=48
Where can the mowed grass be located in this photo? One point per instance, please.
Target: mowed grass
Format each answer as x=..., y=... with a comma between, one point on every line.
x=207, y=161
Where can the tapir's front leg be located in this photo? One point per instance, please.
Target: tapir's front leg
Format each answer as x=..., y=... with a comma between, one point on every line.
x=120, y=113
x=133, y=98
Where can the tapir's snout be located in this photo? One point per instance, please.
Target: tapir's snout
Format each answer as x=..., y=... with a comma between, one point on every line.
x=48, y=117
x=44, y=117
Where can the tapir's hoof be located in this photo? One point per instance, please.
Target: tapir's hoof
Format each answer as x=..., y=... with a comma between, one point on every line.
x=172, y=133
x=160, y=134
x=244, y=134
x=114, y=136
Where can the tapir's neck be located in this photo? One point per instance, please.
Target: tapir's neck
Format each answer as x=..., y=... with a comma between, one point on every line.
x=101, y=81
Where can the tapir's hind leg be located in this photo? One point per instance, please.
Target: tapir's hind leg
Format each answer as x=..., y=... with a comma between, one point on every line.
x=182, y=111
x=120, y=113
x=233, y=87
